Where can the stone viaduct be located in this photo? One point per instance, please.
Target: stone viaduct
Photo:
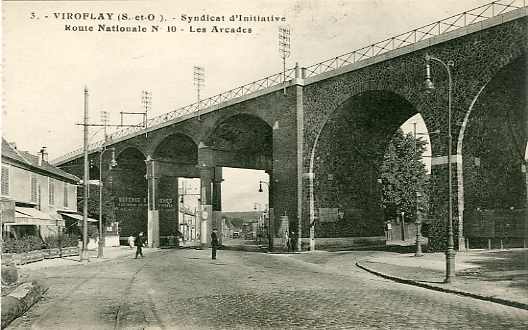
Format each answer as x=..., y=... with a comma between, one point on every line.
x=322, y=132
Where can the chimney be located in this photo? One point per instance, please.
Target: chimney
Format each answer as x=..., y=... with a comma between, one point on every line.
x=43, y=156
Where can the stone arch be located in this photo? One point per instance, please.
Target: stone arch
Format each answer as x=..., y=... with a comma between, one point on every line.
x=345, y=157
x=129, y=189
x=360, y=87
x=491, y=146
x=246, y=135
x=177, y=148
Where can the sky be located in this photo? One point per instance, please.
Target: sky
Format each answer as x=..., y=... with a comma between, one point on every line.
x=46, y=65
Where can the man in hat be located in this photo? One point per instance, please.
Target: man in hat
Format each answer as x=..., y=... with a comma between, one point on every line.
x=214, y=242
x=139, y=242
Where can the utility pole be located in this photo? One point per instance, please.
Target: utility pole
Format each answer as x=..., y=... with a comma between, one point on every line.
x=105, y=118
x=146, y=103
x=86, y=178
x=284, y=49
x=199, y=73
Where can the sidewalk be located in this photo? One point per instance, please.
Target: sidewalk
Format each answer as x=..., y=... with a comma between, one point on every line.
x=499, y=276
x=494, y=275
x=109, y=252
x=32, y=284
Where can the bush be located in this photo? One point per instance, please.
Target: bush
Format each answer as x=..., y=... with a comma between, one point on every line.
x=22, y=245
x=93, y=232
x=51, y=242
x=68, y=240
x=9, y=246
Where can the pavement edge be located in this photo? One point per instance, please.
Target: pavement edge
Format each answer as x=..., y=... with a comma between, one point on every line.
x=441, y=288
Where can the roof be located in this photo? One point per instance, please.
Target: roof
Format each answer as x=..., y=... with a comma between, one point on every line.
x=10, y=151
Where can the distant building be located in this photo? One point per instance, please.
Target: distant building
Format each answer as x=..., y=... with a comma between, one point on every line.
x=189, y=195
x=36, y=198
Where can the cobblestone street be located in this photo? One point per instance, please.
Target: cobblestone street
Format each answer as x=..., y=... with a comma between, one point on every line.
x=185, y=289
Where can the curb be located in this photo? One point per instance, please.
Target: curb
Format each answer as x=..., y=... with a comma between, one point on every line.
x=22, y=298
x=443, y=289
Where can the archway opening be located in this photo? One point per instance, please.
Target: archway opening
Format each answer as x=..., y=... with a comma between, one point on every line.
x=245, y=203
x=129, y=191
x=493, y=152
x=347, y=163
x=405, y=181
x=242, y=146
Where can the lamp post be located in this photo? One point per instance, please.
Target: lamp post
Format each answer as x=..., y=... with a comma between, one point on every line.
x=270, y=218
x=450, y=251
x=112, y=164
x=259, y=221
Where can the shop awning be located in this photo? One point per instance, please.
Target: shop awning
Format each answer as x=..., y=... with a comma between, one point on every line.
x=32, y=216
x=78, y=217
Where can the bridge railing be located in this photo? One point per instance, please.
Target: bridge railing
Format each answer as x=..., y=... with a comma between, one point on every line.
x=434, y=29
x=246, y=89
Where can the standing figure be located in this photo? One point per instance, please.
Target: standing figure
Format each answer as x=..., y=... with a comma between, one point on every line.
x=140, y=241
x=214, y=242
x=293, y=242
x=388, y=231
x=286, y=241
x=131, y=240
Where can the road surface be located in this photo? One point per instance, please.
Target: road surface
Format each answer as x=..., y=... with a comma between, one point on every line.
x=185, y=289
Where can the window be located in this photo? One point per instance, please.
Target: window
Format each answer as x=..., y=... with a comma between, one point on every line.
x=33, y=188
x=51, y=192
x=4, y=188
x=65, y=194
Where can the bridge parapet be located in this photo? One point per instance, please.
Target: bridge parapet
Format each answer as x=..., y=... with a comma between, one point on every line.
x=446, y=25
x=449, y=24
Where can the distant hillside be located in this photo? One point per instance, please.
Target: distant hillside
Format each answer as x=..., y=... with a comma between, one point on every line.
x=235, y=220
x=244, y=216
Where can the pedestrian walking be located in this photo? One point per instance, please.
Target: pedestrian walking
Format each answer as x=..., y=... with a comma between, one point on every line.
x=214, y=243
x=139, y=242
x=293, y=242
x=131, y=240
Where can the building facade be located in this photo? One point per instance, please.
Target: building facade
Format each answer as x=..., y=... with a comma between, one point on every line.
x=37, y=198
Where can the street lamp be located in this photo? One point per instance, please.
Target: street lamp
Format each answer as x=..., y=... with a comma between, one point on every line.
x=259, y=230
x=112, y=164
x=450, y=251
x=270, y=220
x=418, y=195
x=260, y=185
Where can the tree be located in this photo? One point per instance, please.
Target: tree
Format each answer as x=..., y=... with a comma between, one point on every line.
x=403, y=174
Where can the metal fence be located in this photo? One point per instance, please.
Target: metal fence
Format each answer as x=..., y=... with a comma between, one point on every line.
x=434, y=29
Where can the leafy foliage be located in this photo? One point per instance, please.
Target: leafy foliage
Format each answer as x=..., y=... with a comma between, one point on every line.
x=51, y=242
x=22, y=245
x=33, y=243
x=93, y=232
x=60, y=241
x=68, y=240
x=403, y=174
